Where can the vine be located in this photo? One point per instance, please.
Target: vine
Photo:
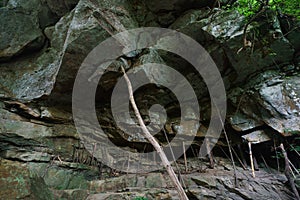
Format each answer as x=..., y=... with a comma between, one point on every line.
x=253, y=9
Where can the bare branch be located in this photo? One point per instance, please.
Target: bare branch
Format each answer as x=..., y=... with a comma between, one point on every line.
x=152, y=140
x=287, y=172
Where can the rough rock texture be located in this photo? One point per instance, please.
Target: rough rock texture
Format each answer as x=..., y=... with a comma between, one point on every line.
x=18, y=183
x=42, y=45
x=71, y=39
x=271, y=99
x=23, y=23
x=31, y=181
x=213, y=184
x=20, y=32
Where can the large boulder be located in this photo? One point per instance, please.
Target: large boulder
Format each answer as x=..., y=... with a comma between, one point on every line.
x=221, y=33
x=19, y=33
x=22, y=23
x=47, y=12
x=71, y=39
x=270, y=99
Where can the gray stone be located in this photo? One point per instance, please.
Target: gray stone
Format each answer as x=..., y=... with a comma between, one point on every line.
x=208, y=182
x=256, y=137
x=71, y=194
x=115, y=184
x=269, y=100
x=154, y=180
x=18, y=183
x=55, y=114
x=26, y=155
x=242, y=122
x=19, y=33
x=35, y=8
x=26, y=129
x=59, y=8
x=63, y=177
x=59, y=64
x=39, y=133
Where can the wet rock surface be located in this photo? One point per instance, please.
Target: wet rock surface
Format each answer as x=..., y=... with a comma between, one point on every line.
x=269, y=99
x=44, y=42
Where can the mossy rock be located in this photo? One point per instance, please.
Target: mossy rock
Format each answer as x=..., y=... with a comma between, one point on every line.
x=18, y=183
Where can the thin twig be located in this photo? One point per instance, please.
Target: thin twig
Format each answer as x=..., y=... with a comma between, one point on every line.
x=171, y=149
x=287, y=172
x=295, y=150
x=210, y=155
x=277, y=160
x=293, y=166
x=238, y=158
x=173, y=156
x=184, y=155
x=251, y=159
x=229, y=147
x=247, y=43
x=267, y=166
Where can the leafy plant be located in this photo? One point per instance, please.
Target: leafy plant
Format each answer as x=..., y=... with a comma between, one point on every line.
x=249, y=8
x=253, y=9
x=295, y=148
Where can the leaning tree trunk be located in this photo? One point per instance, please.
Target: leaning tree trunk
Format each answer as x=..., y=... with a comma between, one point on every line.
x=112, y=20
x=152, y=140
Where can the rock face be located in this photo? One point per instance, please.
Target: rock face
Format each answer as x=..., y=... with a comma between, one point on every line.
x=273, y=101
x=25, y=182
x=44, y=42
x=213, y=184
x=20, y=32
x=23, y=23
x=17, y=182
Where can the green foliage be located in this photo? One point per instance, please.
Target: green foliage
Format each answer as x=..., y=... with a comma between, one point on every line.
x=295, y=148
x=289, y=7
x=290, y=131
x=249, y=8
